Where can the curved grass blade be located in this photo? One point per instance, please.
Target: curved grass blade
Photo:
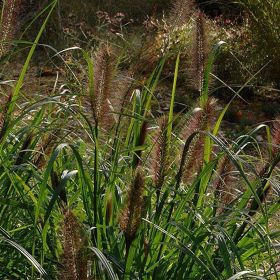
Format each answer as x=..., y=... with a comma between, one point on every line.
x=105, y=263
x=28, y=59
x=207, y=72
x=57, y=191
x=43, y=187
x=186, y=249
x=248, y=275
x=170, y=116
x=8, y=239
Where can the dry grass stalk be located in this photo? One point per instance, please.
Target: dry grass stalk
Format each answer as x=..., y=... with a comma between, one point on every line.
x=130, y=218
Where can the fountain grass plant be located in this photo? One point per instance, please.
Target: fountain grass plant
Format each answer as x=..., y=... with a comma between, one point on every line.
x=138, y=198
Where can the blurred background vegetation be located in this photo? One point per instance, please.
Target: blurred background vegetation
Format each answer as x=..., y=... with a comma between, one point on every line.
x=138, y=28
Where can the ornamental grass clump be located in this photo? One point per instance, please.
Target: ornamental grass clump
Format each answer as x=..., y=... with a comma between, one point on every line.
x=112, y=203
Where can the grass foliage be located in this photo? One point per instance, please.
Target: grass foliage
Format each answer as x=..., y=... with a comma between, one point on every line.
x=93, y=186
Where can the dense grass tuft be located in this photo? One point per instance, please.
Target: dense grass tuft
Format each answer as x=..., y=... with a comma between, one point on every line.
x=111, y=192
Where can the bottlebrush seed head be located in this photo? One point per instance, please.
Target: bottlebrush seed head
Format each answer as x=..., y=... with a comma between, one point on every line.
x=276, y=137
x=130, y=217
x=75, y=257
x=200, y=51
x=201, y=120
x=104, y=71
x=160, y=157
x=9, y=22
x=181, y=12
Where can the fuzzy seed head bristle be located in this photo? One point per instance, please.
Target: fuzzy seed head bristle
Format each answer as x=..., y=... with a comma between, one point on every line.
x=103, y=79
x=130, y=217
x=160, y=157
x=201, y=120
x=74, y=259
x=10, y=11
x=200, y=51
x=276, y=138
x=181, y=12
x=122, y=85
